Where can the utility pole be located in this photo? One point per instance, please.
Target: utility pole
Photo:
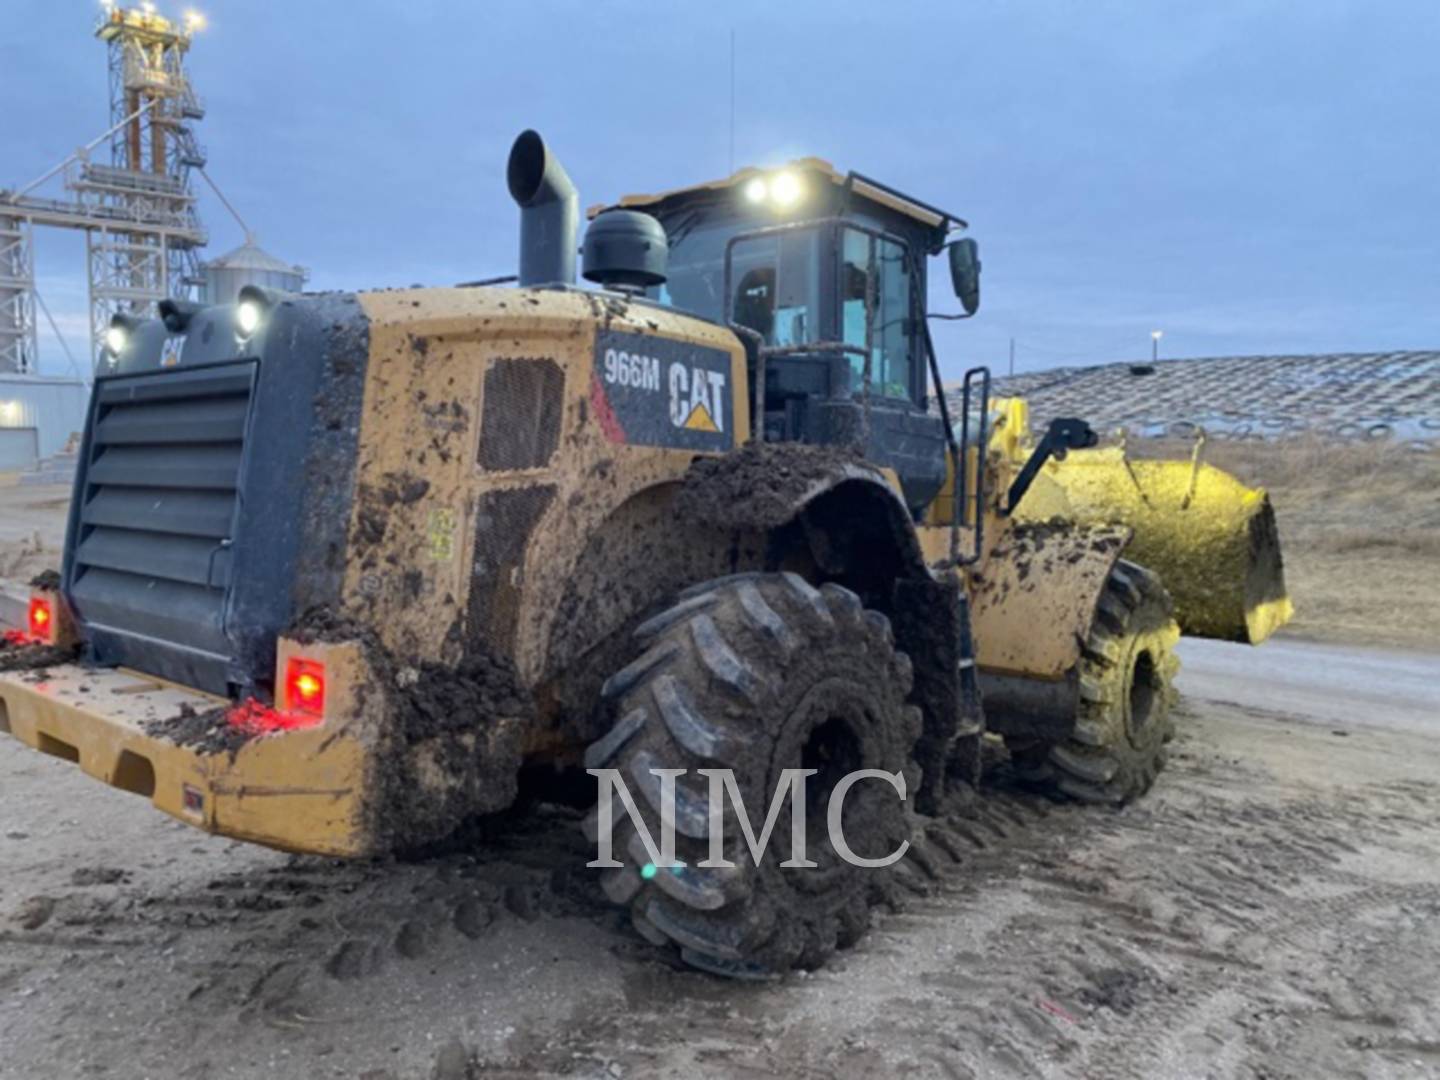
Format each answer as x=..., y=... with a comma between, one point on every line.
x=1012, y=356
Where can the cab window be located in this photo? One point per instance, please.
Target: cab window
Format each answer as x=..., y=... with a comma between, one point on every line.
x=876, y=314
x=776, y=287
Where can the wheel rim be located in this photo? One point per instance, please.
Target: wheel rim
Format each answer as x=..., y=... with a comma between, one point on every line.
x=833, y=750
x=831, y=730
x=1142, y=702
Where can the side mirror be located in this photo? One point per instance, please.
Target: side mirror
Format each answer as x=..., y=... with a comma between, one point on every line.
x=965, y=273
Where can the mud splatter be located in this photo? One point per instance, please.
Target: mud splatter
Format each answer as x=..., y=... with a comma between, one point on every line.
x=19, y=654
x=208, y=731
x=760, y=484
x=451, y=734
x=46, y=579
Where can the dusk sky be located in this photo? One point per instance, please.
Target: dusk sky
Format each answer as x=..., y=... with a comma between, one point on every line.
x=1248, y=176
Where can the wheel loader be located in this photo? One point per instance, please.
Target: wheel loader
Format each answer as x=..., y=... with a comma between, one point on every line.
x=339, y=567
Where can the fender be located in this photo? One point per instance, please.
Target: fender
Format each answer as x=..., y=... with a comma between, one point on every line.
x=1036, y=600
x=851, y=514
x=1032, y=610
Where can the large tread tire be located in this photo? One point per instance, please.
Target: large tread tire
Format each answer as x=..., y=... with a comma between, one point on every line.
x=1126, y=682
x=757, y=673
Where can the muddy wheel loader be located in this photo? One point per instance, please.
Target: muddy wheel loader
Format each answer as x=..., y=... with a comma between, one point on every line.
x=340, y=567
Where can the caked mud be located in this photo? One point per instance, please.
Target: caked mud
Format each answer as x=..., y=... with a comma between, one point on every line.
x=454, y=750
x=48, y=580
x=443, y=744
x=1043, y=545
x=449, y=738
x=208, y=731
x=17, y=654
x=761, y=484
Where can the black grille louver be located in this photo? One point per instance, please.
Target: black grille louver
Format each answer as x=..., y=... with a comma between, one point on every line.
x=151, y=554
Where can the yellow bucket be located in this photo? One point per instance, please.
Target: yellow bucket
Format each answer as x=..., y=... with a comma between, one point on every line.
x=1212, y=540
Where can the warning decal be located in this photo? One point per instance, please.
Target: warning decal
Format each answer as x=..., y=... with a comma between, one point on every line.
x=655, y=391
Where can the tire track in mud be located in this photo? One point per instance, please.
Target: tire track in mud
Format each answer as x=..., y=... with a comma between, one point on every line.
x=741, y=1030
x=1268, y=882
x=302, y=946
x=1168, y=945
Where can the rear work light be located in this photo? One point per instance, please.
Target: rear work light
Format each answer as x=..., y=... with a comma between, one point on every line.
x=42, y=618
x=305, y=687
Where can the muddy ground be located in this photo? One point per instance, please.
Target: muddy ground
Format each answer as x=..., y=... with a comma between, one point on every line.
x=1271, y=910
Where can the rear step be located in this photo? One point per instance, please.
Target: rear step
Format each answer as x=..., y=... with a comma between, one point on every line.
x=41, y=710
x=300, y=790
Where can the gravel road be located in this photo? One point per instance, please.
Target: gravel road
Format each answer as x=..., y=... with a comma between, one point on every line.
x=1272, y=909
x=1325, y=684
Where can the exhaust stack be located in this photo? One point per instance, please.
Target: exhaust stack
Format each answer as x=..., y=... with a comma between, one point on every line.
x=549, y=212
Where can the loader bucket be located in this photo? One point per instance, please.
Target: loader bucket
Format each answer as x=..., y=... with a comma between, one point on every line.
x=1212, y=540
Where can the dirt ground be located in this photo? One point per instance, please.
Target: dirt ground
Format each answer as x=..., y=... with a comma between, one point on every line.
x=32, y=527
x=1272, y=909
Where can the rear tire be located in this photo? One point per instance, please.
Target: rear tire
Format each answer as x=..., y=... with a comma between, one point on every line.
x=1126, y=689
x=759, y=673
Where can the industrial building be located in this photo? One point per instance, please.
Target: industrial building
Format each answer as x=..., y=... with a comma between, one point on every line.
x=39, y=416
x=129, y=191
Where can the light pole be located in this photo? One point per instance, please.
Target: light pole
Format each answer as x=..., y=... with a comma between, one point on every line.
x=1155, y=336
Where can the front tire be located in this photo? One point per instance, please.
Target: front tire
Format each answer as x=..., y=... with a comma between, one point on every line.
x=1126, y=689
x=759, y=673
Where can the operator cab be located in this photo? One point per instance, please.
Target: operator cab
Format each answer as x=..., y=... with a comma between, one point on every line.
x=825, y=274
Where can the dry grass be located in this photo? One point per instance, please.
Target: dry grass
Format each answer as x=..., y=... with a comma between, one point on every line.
x=1360, y=532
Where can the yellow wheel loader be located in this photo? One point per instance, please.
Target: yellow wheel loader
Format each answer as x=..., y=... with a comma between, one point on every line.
x=339, y=566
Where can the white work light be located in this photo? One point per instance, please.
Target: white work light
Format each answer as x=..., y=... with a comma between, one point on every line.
x=785, y=189
x=247, y=317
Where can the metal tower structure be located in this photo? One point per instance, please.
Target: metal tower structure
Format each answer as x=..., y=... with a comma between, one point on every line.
x=137, y=211
x=18, y=352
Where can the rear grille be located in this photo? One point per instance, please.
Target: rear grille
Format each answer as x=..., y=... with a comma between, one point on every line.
x=151, y=564
x=520, y=428
x=504, y=521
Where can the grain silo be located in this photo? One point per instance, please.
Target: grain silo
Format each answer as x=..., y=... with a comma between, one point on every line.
x=248, y=264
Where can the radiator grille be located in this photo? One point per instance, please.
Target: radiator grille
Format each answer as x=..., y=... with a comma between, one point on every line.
x=151, y=565
x=520, y=428
x=504, y=521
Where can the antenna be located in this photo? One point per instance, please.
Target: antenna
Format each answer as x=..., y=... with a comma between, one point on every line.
x=732, y=100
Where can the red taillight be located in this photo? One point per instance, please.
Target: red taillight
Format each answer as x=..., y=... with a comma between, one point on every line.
x=305, y=687
x=42, y=618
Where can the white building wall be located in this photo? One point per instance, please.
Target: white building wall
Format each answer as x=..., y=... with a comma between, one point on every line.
x=53, y=407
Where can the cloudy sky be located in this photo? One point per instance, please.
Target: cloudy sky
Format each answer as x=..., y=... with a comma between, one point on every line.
x=1250, y=176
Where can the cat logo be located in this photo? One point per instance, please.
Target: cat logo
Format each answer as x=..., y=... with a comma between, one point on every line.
x=697, y=398
x=650, y=390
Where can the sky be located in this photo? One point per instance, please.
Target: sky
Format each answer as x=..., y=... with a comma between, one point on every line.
x=1248, y=176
